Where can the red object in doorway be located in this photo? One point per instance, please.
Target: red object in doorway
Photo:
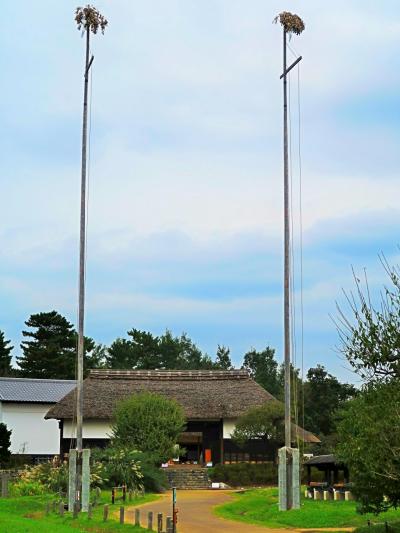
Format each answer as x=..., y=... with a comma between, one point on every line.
x=207, y=455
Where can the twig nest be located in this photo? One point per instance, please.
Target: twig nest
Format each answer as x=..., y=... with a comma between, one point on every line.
x=290, y=22
x=90, y=18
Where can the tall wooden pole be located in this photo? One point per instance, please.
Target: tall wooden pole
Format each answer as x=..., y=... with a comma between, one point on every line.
x=82, y=258
x=286, y=251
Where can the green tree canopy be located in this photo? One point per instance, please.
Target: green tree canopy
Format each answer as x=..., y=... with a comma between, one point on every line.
x=265, y=422
x=50, y=351
x=369, y=445
x=5, y=356
x=263, y=368
x=145, y=351
x=5, y=443
x=223, y=359
x=149, y=423
x=323, y=395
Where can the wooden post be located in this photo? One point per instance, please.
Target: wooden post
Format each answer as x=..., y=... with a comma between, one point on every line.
x=113, y=495
x=105, y=513
x=54, y=506
x=122, y=515
x=61, y=508
x=90, y=511
x=130, y=495
x=124, y=493
x=137, y=517
x=169, y=524
x=47, y=508
x=150, y=521
x=5, y=478
x=76, y=510
x=159, y=522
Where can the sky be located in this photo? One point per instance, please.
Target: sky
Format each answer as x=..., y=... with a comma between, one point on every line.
x=185, y=191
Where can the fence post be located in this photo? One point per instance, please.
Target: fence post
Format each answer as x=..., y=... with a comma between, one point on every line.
x=113, y=496
x=137, y=517
x=159, y=522
x=124, y=493
x=47, y=508
x=130, y=495
x=61, y=508
x=150, y=521
x=90, y=511
x=169, y=524
x=105, y=513
x=122, y=515
x=5, y=478
x=54, y=506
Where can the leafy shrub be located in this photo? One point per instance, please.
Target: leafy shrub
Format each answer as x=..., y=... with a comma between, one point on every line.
x=245, y=474
x=150, y=423
x=23, y=487
x=120, y=466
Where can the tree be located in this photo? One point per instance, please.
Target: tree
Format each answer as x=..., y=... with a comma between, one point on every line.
x=263, y=369
x=323, y=395
x=265, y=422
x=5, y=356
x=222, y=359
x=149, y=423
x=5, y=443
x=370, y=335
x=369, y=445
x=144, y=351
x=50, y=351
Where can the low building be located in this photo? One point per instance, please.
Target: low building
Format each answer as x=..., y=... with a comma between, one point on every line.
x=212, y=401
x=23, y=406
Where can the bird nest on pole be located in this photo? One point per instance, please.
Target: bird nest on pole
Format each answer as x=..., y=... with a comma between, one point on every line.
x=291, y=23
x=89, y=18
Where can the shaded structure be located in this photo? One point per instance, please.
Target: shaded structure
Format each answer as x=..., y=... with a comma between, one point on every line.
x=212, y=401
x=331, y=468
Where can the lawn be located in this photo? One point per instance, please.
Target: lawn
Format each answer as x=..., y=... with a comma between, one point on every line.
x=26, y=514
x=260, y=506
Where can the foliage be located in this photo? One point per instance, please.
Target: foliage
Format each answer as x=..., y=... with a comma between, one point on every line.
x=90, y=18
x=245, y=474
x=144, y=351
x=370, y=335
x=265, y=422
x=323, y=395
x=263, y=368
x=369, y=445
x=27, y=488
x=261, y=507
x=222, y=358
x=149, y=423
x=50, y=351
x=5, y=356
x=290, y=22
x=5, y=443
x=25, y=514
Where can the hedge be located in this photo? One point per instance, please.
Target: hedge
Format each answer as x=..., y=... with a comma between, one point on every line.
x=245, y=474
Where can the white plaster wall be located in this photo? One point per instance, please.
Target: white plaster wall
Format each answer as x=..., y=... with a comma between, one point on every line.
x=31, y=433
x=229, y=425
x=92, y=429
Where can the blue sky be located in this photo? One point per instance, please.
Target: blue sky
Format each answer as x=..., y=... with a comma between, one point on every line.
x=185, y=208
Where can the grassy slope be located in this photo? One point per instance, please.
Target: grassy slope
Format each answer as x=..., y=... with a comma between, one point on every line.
x=26, y=515
x=261, y=507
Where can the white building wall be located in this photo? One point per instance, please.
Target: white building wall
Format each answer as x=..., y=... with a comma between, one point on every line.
x=31, y=433
x=229, y=425
x=92, y=429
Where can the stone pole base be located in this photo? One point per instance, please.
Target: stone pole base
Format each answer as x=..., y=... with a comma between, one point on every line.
x=289, y=478
x=73, y=466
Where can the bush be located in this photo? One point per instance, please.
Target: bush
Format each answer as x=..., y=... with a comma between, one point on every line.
x=23, y=487
x=245, y=474
x=149, y=423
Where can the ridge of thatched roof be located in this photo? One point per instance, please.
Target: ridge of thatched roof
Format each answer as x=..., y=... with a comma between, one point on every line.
x=203, y=394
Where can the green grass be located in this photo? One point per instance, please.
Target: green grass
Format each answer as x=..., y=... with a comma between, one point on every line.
x=261, y=507
x=26, y=514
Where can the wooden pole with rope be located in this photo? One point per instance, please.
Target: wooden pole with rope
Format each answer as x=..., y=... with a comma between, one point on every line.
x=287, y=499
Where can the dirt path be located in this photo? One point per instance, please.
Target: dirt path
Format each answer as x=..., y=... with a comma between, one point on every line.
x=196, y=515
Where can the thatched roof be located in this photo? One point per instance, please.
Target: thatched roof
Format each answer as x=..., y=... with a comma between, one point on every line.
x=203, y=394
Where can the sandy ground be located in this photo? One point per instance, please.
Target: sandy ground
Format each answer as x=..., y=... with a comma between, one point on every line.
x=196, y=515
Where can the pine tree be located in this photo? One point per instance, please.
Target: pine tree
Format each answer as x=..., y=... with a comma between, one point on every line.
x=222, y=359
x=50, y=351
x=5, y=356
x=5, y=443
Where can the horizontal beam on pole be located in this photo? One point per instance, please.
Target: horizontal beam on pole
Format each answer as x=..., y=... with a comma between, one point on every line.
x=291, y=66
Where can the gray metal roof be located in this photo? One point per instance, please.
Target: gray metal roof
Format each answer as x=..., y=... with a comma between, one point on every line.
x=34, y=390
